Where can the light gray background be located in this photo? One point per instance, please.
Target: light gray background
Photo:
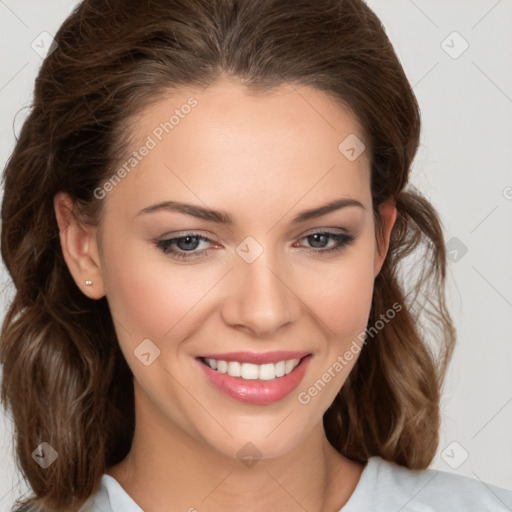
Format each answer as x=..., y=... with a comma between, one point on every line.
x=464, y=167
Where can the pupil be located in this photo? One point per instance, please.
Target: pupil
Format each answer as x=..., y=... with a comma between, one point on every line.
x=318, y=240
x=188, y=243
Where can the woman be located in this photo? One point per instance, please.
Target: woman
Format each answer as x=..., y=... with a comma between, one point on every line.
x=205, y=218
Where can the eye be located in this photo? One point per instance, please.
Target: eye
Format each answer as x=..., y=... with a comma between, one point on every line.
x=189, y=246
x=183, y=247
x=326, y=242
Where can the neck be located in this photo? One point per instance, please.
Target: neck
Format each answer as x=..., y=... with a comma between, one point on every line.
x=168, y=469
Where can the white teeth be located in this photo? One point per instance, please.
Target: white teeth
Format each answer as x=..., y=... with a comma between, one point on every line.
x=280, y=368
x=267, y=372
x=222, y=366
x=251, y=371
x=290, y=365
x=212, y=363
x=234, y=369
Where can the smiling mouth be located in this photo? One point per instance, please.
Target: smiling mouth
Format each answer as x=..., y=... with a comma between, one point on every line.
x=250, y=371
x=274, y=378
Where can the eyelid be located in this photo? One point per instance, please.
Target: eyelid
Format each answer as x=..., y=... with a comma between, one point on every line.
x=314, y=231
x=341, y=238
x=184, y=233
x=211, y=237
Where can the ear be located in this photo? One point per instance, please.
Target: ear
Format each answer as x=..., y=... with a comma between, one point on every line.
x=388, y=213
x=79, y=247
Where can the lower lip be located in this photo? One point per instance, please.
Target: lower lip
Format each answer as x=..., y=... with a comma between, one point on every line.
x=260, y=392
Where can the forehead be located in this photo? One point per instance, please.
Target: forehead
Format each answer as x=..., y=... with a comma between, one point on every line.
x=225, y=143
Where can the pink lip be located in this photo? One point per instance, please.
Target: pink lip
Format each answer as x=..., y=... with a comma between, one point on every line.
x=257, y=358
x=258, y=392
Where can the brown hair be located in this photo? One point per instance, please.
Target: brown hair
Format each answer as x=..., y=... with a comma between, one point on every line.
x=64, y=377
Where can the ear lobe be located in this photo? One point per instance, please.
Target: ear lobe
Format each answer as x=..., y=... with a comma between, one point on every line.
x=79, y=247
x=388, y=212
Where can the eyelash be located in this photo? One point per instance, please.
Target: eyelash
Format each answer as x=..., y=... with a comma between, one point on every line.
x=342, y=240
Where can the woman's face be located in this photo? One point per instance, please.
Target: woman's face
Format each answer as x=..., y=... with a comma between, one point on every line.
x=245, y=265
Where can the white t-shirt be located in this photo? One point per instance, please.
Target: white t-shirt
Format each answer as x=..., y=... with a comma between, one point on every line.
x=383, y=487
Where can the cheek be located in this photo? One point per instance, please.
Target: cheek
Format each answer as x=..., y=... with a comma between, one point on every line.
x=340, y=295
x=150, y=296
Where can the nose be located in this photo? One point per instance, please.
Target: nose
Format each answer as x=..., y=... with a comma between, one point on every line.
x=260, y=297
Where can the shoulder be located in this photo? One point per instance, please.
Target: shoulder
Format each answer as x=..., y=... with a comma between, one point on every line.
x=386, y=486
x=99, y=500
x=111, y=497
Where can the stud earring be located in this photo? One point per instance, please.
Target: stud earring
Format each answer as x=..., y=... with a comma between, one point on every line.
x=88, y=283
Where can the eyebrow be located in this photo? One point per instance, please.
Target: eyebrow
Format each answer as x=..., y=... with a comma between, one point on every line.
x=222, y=217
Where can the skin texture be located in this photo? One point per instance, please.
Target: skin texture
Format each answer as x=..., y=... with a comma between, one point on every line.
x=263, y=159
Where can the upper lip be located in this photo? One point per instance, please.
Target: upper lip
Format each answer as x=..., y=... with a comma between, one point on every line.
x=258, y=358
